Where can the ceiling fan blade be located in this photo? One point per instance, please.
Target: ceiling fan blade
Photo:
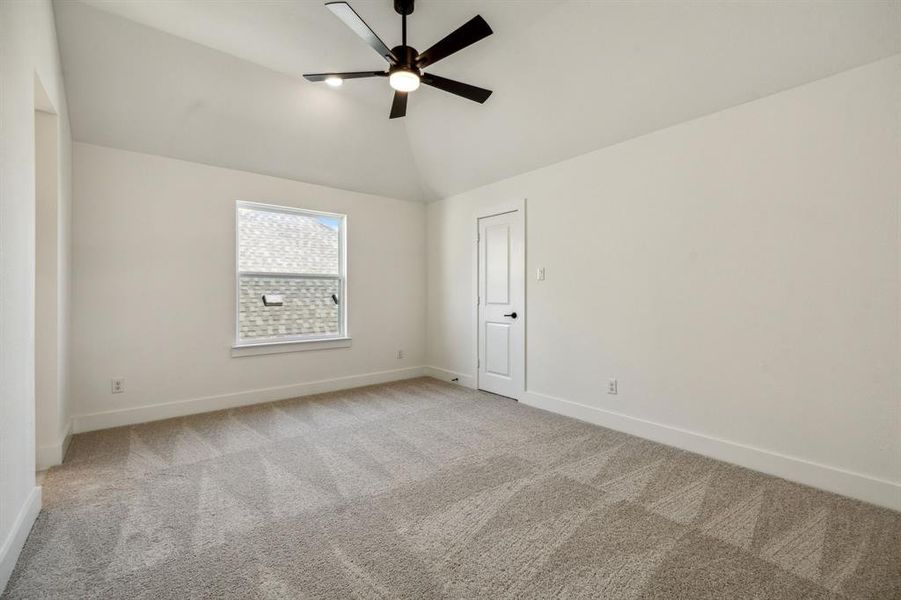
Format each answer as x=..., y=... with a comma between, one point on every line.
x=353, y=75
x=471, y=92
x=399, y=105
x=343, y=11
x=467, y=34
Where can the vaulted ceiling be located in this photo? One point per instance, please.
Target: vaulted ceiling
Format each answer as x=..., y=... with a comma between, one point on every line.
x=219, y=82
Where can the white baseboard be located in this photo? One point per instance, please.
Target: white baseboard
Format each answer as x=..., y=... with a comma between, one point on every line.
x=12, y=545
x=181, y=408
x=847, y=483
x=450, y=376
x=53, y=455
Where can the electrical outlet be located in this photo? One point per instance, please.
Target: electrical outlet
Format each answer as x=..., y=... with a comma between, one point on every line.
x=117, y=385
x=612, y=387
x=400, y=355
x=540, y=274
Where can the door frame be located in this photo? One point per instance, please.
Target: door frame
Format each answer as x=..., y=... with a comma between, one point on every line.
x=492, y=210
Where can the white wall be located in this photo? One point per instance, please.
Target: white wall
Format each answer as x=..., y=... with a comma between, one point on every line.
x=27, y=51
x=153, y=289
x=739, y=274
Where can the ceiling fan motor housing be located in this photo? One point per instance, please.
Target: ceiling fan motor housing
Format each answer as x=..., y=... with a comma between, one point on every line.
x=406, y=59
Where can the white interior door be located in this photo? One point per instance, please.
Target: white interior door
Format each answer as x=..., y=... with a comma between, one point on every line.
x=501, y=304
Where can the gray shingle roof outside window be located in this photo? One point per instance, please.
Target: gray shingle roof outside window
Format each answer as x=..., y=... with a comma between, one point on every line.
x=308, y=308
x=277, y=242
x=285, y=242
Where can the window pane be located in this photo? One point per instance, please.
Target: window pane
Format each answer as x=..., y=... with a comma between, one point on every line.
x=282, y=242
x=308, y=307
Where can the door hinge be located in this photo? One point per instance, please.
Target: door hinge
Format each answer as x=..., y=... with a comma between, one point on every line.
x=478, y=363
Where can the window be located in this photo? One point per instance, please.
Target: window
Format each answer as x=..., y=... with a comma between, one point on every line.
x=290, y=281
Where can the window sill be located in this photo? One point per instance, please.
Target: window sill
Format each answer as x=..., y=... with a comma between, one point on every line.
x=289, y=346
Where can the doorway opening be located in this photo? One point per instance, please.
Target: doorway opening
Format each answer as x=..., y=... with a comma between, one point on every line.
x=48, y=285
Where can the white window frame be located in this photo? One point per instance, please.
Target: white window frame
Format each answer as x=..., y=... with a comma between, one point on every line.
x=312, y=341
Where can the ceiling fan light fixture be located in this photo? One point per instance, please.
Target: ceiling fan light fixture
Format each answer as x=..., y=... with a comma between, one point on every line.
x=334, y=81
x=404, y=81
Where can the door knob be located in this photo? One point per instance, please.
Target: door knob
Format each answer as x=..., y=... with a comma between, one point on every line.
x=511, y=315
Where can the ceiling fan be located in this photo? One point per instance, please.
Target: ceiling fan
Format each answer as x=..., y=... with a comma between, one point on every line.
x=405, y=64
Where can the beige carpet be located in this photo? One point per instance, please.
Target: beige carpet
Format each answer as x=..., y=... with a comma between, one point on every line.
x=421, y=489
